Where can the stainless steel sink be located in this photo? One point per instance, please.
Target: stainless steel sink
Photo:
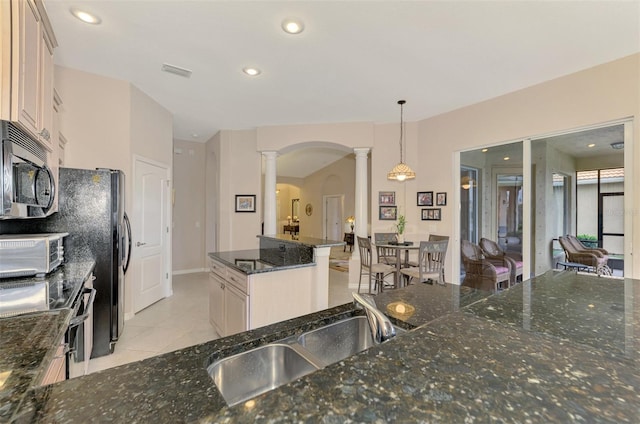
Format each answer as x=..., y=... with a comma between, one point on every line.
x=248, y=374
x=245, y=375
x=339, y=340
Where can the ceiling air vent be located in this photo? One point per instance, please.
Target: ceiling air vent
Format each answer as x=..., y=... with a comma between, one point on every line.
x=618, y=145
x=176, y=70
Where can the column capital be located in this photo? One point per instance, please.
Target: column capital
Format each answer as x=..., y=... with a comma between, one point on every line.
x=361, y=151
x=269, y=154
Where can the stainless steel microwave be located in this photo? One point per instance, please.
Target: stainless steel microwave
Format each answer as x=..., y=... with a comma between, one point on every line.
x=28, y=185
x=23, y=255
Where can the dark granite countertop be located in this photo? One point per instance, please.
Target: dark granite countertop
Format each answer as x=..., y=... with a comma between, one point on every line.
x=307, y=241
x=523, y=355
x=249, y=262
x=28, y=342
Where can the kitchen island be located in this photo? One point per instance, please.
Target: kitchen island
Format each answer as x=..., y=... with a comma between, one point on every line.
x=562, y=347
x=287, y=277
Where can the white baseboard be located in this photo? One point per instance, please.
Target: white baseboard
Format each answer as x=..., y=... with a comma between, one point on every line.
x=189, y=271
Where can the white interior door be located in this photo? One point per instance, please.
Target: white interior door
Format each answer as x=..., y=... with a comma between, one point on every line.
x=151, y=188
x=333, y=217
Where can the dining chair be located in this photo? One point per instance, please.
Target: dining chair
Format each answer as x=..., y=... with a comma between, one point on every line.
x=376, y=272
x=385, y=255
x=432, y=237
x=431, y=258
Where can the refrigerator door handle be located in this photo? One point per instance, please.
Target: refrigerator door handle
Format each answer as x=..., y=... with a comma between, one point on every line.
x=125, y=266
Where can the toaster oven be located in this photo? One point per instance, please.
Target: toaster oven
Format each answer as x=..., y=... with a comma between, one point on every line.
x=24, y=255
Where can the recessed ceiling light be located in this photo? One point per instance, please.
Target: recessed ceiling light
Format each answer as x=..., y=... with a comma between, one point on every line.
x=194, y=135
x=485, y=150
x=618, y=145
x=292, y=26
x=252, y=72
x=85, y=17
x=591, y=145
x=506, y=158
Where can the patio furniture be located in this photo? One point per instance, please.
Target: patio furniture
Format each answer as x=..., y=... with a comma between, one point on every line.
x=491, y=250
x=483, y=273
x=594, y=258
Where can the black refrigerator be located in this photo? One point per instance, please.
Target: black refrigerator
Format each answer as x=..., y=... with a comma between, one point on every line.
x=91, y=210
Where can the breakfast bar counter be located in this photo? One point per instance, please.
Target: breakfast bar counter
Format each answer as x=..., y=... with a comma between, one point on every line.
x=562, y=347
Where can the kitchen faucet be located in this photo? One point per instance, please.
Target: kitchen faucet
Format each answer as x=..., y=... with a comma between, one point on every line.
x=381, y=327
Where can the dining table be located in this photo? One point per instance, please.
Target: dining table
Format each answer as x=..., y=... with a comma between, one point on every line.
x=401, y=262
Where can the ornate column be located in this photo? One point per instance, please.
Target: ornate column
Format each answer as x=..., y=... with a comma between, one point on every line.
x=270, y=193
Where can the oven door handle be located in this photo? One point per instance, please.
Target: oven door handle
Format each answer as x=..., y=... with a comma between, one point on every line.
x=76, y=321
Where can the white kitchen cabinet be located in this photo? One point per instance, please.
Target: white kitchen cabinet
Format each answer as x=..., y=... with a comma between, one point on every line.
x=236, y=310
x=216, y=303
x=27, y=68
x=239, y=302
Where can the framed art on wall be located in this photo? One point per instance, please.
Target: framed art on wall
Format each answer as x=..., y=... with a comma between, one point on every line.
x=387, y=198
x=431, y=214
x=388, y=213
x=245, y=202
x=441, y=199
x=425, y=198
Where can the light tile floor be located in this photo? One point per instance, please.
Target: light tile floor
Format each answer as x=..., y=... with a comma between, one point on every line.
x=182, y=320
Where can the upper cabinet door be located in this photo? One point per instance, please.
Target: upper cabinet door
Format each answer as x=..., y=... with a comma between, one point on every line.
x=26, y=63
x=46, y=102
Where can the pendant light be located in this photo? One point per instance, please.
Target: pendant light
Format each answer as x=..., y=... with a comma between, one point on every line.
x=401, y=171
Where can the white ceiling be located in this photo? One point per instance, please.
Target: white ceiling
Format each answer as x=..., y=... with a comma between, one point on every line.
x=354, y=60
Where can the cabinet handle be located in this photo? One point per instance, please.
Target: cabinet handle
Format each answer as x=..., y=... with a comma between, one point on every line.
x=138, y=244
x=222, y=286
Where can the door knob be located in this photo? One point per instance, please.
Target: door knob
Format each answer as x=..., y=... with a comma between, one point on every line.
x=138, y=244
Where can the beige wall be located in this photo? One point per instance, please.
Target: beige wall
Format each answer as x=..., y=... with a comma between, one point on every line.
x=151, y=128
x=281, y=138
x=238, y=166
x=188, y=245
x=96, y=120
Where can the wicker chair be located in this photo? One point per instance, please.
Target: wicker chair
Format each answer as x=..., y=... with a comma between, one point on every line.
x=491, y=250
x=593, y=258
x=482, y=273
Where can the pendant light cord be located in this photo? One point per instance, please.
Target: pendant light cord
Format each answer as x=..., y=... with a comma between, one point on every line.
x=401, y=103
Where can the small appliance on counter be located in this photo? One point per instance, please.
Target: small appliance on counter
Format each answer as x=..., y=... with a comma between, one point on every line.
x=25, y=255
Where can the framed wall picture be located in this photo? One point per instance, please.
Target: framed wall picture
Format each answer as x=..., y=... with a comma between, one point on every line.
x=425, y=198
x=388, y=213
x=387, y=198
x=431, y=214
x=245, y=202
x=441, y=199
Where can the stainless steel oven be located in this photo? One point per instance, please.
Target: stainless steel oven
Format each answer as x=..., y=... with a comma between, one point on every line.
x=80, y=332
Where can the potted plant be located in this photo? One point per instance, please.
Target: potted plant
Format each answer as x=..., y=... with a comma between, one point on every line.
x=400, y=228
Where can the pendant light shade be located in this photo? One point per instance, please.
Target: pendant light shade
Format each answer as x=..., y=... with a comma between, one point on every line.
x=401, y=171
